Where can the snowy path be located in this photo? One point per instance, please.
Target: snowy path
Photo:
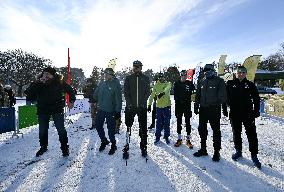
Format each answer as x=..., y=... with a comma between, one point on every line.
x=168, y=168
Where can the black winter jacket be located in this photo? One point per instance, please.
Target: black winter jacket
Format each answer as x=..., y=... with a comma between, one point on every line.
x=136, y=90
x=51, y=96
x=243, y=97
x=211, y=92
x=183, y=92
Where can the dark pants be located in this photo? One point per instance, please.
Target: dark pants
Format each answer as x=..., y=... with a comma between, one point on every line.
x=110, y=120
x=182, y=110
x=154, y=112
x=43, y=121
x=142, y=119
x=213, y=115
x=163, y=122
x=250, y=128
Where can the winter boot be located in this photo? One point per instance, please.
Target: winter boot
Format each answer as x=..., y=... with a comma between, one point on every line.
x=113, y=148
x=237, y=155
x=200, y=152
x=256, y=161
x=103, y=145
x=41, y=151
x=157, y=141
x=167, y=140
x=189, y=144
x=65, y=150
x=216, y=156
x=178, y=143
x=144, y=153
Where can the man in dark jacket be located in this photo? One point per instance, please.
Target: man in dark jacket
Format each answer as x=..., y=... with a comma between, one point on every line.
x=210, y=95
x=108, y=99
x=50, y=92
x=136, y=93
x=10, y=92
x=182, y=95
x=244, y=102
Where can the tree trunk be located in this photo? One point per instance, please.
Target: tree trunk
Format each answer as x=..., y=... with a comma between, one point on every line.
x=19, y=92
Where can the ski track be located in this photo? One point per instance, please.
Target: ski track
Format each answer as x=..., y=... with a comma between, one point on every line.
x=168, y=168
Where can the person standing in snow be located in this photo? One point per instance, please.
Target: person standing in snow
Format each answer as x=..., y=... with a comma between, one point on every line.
x=182, y=95
x=50, y=92
x=244, y=103
x=210, y=95
x=108, y=99
x=12, y=100
x=161, y=90
x=136, y=93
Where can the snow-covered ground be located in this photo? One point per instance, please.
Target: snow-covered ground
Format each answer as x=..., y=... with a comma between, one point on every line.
x=168, y=168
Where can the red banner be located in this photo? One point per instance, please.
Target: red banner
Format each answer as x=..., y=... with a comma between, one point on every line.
x=190, y=74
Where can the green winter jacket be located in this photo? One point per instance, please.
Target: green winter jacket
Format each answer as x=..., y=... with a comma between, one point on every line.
x=108, y=96
x=165, y=100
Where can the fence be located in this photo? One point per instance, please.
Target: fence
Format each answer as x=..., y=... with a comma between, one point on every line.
x=27, y=116
x=7, y=119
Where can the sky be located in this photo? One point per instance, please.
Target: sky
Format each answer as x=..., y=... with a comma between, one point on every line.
x=158, y=33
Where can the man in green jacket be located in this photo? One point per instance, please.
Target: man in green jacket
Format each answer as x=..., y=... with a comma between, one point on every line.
x=162, y=91
x=108, y=99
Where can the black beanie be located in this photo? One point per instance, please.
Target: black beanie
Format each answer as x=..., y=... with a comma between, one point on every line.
x=50, y=70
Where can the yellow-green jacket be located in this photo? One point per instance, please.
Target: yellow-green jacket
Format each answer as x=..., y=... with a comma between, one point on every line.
x=158, y=88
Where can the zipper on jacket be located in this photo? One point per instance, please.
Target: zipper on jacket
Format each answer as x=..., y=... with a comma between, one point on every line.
x=137, y=91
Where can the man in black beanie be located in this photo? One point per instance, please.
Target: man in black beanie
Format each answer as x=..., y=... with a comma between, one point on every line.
x=210, y=95
x=49, y=90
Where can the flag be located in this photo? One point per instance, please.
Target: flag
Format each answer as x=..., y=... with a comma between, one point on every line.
x=68, y=78
x=251, y=64
x=190, y=74
x=112, y=63
x=196, y=74
x=221, y=64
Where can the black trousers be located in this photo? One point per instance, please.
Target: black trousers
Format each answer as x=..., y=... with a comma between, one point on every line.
x=249, y=124
x=130, y=113
x=180, y=111
x=213, y=115
x=154, y=113
x=58, y=119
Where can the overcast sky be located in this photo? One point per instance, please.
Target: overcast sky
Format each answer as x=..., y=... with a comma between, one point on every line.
x=158, y=33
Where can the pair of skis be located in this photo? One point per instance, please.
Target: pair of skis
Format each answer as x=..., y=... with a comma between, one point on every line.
x=126, y=146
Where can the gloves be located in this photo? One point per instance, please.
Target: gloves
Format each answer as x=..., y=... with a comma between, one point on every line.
x=256, y=114
x=117, y=115
x=155, y=97
x=196, y=108
x=149, y=108
x=161, y=95
x=224, y=109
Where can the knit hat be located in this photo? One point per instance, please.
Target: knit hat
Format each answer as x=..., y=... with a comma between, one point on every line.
x=208, y=67
x=137, y=63
x=109, y=71
x=183, y=73
x=242, y=69
x=50, y=70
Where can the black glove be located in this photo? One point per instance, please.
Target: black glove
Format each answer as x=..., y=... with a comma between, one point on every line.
x=149, y=108
x=224, y=109
x=155, y=97
x=196, y=108
x=117, y=115
x=161, y=95
x=256, y=114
